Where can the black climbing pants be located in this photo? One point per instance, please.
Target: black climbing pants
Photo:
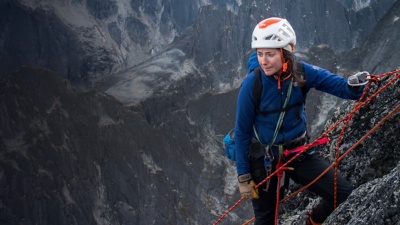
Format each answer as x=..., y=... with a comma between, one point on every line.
x=305, y=171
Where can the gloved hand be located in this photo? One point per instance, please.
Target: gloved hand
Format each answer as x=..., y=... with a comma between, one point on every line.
x=247, y=186
x=358, y=79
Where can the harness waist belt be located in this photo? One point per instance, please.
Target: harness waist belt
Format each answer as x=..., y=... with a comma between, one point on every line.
x=295, y=142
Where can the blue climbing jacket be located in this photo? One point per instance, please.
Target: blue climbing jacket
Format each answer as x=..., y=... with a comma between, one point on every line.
x=294, y=122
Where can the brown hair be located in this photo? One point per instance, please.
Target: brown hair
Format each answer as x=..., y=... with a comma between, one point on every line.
x=298, y=76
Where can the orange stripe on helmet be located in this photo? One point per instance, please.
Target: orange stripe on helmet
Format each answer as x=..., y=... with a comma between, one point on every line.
x=265, y=23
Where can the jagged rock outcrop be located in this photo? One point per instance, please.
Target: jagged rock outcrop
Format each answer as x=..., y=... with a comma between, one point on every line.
x=375, y=202
x=372, y=167
x=142, y=144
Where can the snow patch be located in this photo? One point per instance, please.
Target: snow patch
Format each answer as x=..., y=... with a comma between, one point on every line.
x=57, y=106
x=328, y=103
x=191, y=121
x=124, y=8
x=161, y=72
x=206, y=2
x=210, y=153
x=101, y=210
x=224, y=87
x=46, y=173
x=188, y=66
x=361, y=4
x=105, y=120
x=232, y=8
x=153, y=22
x=230, y=179
x=67, y=195
x=150, y=164
x=218, y=209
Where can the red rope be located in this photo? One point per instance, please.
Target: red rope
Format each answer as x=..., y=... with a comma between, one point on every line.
x=339, y=141
x=345, y=119
x=346, y=153
x=228, y=211
x=249, y=221
x=280, y=168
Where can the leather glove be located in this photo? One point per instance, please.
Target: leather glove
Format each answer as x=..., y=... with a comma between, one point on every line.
x=247, y=186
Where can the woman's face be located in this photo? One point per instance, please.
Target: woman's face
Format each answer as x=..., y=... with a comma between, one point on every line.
x=270, y=60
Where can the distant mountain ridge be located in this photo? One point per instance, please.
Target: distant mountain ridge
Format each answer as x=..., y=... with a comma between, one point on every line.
x=112, y=112
x=85, y=41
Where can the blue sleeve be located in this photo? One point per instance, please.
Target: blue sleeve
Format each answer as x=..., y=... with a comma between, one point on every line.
x=245, y=114
x=320, y=79
x=328, y=82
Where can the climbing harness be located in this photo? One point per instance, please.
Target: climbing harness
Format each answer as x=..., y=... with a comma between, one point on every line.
x=269, y=154
x=324, y=139
x=302, y=148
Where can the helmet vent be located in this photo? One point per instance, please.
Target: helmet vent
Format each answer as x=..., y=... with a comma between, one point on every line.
x=271, y=37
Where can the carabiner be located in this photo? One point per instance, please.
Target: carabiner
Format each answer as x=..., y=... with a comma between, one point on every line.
x=363, y=78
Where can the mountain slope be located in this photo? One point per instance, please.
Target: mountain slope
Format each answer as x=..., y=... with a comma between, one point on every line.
x=108, y=124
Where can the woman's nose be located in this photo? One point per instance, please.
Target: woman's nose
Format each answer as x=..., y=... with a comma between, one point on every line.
x=264, y=60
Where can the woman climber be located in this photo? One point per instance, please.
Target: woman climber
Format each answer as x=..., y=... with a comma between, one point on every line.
x=278, y=122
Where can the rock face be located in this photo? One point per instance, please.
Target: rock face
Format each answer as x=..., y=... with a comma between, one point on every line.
x=113, y=112
x=373, y=167
x=71, y=158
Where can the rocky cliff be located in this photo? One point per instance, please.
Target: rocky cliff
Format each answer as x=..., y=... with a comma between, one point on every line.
x=112, y=112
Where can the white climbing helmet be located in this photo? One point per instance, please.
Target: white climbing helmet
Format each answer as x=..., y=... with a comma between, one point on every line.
x=274, y=32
